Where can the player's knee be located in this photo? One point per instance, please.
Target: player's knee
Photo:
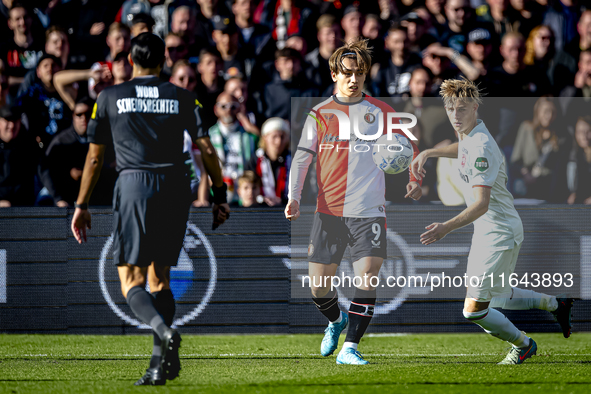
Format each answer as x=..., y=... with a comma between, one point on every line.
x=475, y=316
x=319, y=291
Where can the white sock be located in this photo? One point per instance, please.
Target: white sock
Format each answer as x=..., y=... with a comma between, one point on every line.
x=522, y=299
x=340, y=319
x=352, y=345
x=497, y=325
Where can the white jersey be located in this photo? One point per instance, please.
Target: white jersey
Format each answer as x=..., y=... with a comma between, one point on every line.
x=482, y=164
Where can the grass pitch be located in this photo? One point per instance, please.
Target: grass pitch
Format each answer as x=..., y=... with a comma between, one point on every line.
x=427, y=363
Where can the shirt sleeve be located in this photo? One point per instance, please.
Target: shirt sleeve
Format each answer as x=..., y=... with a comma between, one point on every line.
x=309, y=139
x=99, y=127
x=485, y=167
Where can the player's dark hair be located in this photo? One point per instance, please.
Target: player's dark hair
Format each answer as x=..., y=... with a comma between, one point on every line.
x=147, y=50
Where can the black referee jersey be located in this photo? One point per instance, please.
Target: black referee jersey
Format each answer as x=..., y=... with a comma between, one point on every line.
x=145, y=119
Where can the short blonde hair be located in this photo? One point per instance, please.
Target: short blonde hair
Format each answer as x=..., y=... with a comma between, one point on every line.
x=250, y=177
x=462, y=89
x=357, y=49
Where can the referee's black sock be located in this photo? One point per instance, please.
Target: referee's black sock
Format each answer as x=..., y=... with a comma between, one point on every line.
x=329, y=305
x=142, y=305
x=164, y=304
x=360, y=314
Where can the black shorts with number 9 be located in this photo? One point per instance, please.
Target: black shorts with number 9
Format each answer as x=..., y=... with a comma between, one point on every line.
x=331, y=234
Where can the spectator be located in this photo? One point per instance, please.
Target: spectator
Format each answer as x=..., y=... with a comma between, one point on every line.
x=287, y=82
x=86, y=23
x=579, y=174
x=541, y=53
x=235, y=147
x=184, y=75
x=141, y=23
x=461, y=63
x=238, y=88
x=22, y=52
x=540, y=154
x=183, y=23
x=513, y=78
x=254, y=38
x=480, y=49
x=159, y=10
x=460, y=21
x=415, y=30
x=372, y=29
x=175, y=49
x=273, y=161
x=287, y=18
x=46, y=112
x=209, y=83
x=392, y=77
x=529, y=15
x=436, y=11
x=56, y=44
x=204, y=28
x=352, y=23
x=582, y=41
x=581, y=87
x=501, y=15
x=561, y=16
x=249, y=191
x=61, y=167
x=118, y=40
x=318, y=70
x=18, y=161
x=225, y=36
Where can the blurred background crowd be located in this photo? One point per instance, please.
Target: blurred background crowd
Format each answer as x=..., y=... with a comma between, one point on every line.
x=246, y=59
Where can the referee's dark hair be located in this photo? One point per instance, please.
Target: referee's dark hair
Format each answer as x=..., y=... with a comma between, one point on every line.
x=147, y=50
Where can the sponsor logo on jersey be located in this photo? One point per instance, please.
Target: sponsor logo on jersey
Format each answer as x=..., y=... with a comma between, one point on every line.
x=463, y=176
x=481, y=164
x=464, y=158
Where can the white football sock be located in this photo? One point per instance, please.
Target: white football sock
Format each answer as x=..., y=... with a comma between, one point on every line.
x=522, y=299
x=352, y=345
x=497, y=325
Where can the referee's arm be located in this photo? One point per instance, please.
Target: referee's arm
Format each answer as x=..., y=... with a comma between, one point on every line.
x=91, y=172
x=210, y=161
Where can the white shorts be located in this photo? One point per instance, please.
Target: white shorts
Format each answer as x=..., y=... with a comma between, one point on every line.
x=483, y=263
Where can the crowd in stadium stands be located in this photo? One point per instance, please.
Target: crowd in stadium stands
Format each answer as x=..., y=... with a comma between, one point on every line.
x=245, y=60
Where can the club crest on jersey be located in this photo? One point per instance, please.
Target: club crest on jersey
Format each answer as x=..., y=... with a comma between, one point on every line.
x=310, y=250
x=481, y=164
x=369, y=117
x=463, y=160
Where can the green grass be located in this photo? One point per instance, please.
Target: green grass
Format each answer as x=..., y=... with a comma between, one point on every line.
x=433, y=363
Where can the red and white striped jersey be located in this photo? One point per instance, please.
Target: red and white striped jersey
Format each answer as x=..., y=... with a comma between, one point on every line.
x=349, y=182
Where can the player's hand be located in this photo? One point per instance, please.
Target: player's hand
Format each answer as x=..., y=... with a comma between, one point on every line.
x=292, y=210
x=416, y=167
x=414, y=191
x=436, y=231
x=221, y=213
x=80, y=222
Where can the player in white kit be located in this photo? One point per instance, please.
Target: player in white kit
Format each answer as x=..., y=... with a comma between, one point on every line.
x=498, y=232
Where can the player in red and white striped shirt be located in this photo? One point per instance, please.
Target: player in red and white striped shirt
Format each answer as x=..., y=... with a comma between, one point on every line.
x=351, y=196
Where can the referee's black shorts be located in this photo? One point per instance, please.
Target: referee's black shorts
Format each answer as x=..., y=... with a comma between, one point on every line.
x=150, y=212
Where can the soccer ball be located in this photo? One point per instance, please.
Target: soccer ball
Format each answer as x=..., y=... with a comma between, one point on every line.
x=392, y=156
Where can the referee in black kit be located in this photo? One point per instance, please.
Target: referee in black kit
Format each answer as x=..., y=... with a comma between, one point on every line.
x=145, y=120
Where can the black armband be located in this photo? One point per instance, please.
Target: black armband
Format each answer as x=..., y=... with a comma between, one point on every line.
x=219, y=194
